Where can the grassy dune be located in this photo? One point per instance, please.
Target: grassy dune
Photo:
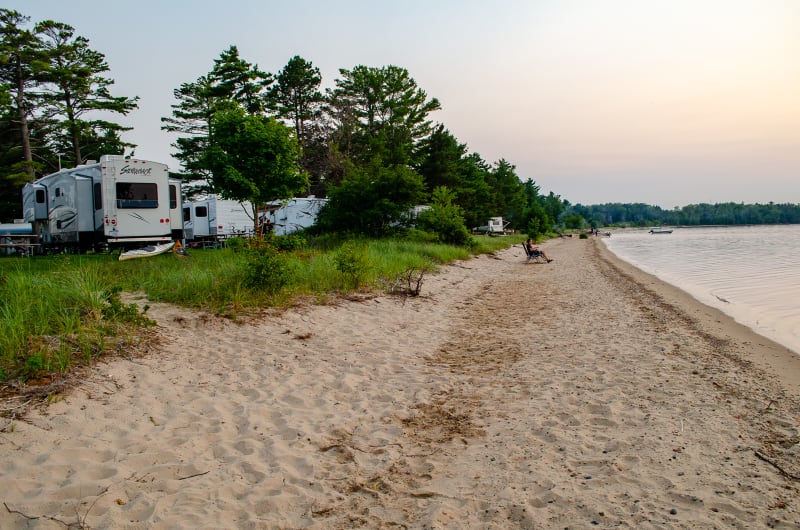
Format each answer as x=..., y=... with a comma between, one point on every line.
x=59, y=312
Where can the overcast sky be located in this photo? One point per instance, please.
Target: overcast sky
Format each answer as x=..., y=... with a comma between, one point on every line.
x=668, y=102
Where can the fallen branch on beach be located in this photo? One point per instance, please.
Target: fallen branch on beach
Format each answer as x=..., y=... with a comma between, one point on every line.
x=776, y=466
x=195, y=475
x=80, y=523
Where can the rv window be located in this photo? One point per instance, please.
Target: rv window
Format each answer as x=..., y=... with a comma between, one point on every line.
x=187, y=214
x=173, y=196
x=58, y=192
x=98, y=196
x=137, y=195
x=201, y=211
x=40, y=196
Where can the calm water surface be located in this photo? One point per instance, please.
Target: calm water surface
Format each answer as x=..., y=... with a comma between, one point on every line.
x=752, y=273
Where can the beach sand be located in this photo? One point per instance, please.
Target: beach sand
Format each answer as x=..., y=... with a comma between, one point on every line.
x=576, y=394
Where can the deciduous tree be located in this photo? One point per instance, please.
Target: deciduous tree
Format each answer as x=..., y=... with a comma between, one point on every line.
x=371, y=200
x=253, y=158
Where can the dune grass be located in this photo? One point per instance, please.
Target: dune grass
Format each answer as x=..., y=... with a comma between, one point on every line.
x=60, y=311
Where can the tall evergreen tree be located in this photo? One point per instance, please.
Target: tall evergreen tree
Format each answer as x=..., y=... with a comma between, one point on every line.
x=296, y=96
x=191, y=119
x=508, y=197
x=11, y=177
x=231, y=83
x=474, y=194
x=389, y=111
x=20, y=56
x=75, y=88
x=441, y=156
x=235, y=79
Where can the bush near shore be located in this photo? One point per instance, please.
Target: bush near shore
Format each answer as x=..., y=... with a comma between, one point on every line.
x=59, y=312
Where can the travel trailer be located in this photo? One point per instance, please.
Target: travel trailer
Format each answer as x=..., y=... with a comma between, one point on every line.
x=295, y=214
x=213, y=218
x=114, y=203
x=495, y=227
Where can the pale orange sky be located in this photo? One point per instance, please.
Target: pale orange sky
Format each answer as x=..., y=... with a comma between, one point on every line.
x=663, y=102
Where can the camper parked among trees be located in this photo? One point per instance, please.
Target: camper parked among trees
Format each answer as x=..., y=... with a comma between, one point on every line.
x=212, y=218
x=114, y=203
x=286, y=217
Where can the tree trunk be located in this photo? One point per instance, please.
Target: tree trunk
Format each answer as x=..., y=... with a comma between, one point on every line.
x=73, y=128
x=23, y=125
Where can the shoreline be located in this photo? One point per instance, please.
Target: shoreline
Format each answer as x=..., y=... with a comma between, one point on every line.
x=780, y=360
x=766, y=307
x=578, y=393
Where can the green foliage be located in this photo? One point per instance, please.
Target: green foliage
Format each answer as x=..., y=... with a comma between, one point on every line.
x=254, y=158
x=77, y=89
x=58, y=94
x=61, y=311
x=507, y=194
x=236, y=80
x=289, y=242
x=59, y=315
x=296, y=95
x=442, y=160
x=383, y=114
x=444, y=218
x=267, y=269
x=475, y=193
x=638, y=214
x=573, y=221
x=539, y=223
x=353, y=262
x=236, y=243
x=116, y=310
x=372, y=200
x=191, y=118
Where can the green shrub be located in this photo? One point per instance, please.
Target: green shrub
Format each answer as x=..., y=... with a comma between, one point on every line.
x=36, y=362
x=236, y=243
x=353, y=262
x=445, y=219
x=267, y=269
x=116, y=310
x=289, y=243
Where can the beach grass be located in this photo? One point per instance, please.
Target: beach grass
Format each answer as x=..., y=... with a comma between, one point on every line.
x=66, y=310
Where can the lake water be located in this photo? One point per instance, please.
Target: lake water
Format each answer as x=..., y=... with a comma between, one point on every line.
x=752, y=273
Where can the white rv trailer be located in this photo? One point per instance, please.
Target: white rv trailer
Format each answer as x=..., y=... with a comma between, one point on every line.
x=116, y=202
x=213, y=218
x=495, y=227
x=295, y=214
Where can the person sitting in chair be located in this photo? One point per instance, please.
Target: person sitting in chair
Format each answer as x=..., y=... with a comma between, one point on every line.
x=534, y=251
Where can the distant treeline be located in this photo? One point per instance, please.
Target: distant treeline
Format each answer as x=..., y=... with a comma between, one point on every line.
x=729, y=213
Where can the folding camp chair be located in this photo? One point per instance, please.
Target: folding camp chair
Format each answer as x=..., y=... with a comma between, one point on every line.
x=536, y=256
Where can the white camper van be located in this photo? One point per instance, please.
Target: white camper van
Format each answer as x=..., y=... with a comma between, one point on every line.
x=118, y=202
x=212, y=218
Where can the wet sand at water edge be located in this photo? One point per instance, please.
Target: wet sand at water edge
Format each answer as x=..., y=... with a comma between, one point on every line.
x=581, y=393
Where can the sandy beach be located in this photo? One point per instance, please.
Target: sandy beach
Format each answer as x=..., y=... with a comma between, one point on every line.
x=582, y=393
